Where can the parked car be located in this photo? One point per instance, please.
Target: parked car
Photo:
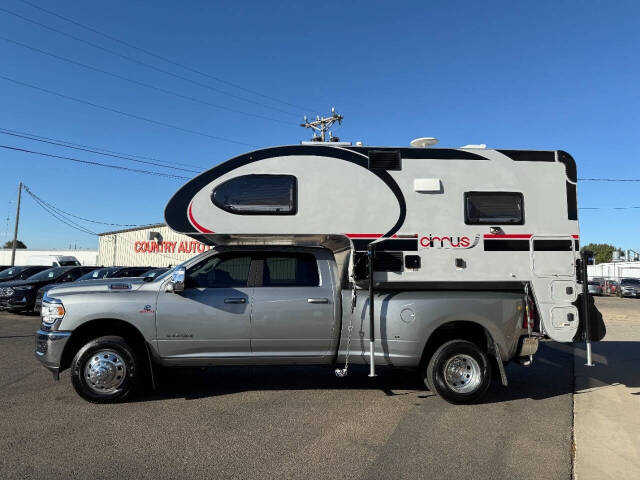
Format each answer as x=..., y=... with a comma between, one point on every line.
x=596, y=287
x=629, y=287
x=20, y=273
x=95, y=273
x=612, y=287
x=20, y=295
x=153, y=273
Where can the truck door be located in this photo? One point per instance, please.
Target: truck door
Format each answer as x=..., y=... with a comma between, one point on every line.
x=211, y=317
x=293, y=307
x=554, y=284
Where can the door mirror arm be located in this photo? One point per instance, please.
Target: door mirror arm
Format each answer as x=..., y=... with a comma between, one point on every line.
x=176, y=284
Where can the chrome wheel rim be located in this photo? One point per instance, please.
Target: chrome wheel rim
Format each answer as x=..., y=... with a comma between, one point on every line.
x=462, y=373
x=105, y=371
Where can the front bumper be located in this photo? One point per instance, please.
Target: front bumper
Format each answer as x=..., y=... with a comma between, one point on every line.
x=49, y=348
x=630, y=293
x=14, y=303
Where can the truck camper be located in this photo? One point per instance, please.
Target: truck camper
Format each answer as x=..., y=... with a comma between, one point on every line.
x=449, y=261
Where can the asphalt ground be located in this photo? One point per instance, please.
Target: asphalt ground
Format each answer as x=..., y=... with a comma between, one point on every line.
x=282, y=422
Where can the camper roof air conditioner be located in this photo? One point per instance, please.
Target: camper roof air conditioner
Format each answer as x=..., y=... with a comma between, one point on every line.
x=424, y=142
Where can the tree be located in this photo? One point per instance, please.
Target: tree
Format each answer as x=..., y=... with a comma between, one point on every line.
x=603, y=252
x=19, y=244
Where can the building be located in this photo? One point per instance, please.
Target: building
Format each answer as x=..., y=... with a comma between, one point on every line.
x=152, y=245
x=85, y=257
x=614, y=270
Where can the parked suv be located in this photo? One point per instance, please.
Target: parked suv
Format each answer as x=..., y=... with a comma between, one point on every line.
x=596, y=287
x=20, y=295
x=629, y=287
x=20, y=273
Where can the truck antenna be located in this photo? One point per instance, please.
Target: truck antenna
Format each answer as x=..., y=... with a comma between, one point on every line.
x=321, y=126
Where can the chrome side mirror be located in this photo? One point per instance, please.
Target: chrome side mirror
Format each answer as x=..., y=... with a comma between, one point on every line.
x=176, y=285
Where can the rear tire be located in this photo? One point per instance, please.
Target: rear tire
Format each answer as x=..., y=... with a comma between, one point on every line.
x=459, y=371
x=106, y=370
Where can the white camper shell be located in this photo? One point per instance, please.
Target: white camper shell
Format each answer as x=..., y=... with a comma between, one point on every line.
x=448, y=219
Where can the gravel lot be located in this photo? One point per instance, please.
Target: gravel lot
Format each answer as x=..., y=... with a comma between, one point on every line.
x=282, y=422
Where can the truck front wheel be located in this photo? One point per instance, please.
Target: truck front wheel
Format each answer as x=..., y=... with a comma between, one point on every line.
x=459, y=372
x=105, y=370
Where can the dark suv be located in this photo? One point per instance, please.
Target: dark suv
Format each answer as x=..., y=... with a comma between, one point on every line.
x=20, y=295
x=19, y=273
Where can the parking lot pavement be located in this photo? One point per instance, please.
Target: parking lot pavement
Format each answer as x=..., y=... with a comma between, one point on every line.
x=284, y=422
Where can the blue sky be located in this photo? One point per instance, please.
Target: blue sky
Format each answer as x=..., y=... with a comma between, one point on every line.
x=540, y=75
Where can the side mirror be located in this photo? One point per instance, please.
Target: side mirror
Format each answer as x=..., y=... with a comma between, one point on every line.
x=176, y=284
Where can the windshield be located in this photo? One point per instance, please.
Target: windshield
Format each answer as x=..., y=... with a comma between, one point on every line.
x=10, y=272
x=69, y=263
x=48, y=274
x=153, y=273
x=99, y=273
x=166, y=274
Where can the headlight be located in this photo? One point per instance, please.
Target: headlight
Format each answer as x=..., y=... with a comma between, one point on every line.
x=52, y=310
x=7, y=292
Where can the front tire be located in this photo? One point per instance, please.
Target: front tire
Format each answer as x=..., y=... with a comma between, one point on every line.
x=105, y=370
x=459, y=371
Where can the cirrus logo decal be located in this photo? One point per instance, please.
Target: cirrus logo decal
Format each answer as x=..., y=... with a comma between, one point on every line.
x=448, y=241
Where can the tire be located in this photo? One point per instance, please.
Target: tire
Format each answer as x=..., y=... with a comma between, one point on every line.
x=106, y=370
x=469, y=374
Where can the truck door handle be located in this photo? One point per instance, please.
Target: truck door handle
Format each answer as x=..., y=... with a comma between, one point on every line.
x=317, y=300
x=235, y=300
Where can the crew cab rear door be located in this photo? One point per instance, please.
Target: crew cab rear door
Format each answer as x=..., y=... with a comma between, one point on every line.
x=293, y=307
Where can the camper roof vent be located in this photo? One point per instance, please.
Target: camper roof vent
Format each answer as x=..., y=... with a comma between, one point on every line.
x=478, y=145
x=424, y=142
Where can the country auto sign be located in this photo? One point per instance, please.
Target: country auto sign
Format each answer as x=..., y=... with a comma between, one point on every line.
x=170, y=247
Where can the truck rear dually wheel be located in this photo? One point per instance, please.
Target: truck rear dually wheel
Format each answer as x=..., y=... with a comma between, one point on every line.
x=459, y=371
x=105, y=370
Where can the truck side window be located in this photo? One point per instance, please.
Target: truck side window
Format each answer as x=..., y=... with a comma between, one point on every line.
x=290, y=270
x=220, y=271
x=493, y=208
x=257, y=195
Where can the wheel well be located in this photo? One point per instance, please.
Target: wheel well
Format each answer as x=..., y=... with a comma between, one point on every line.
x=457, y=330
x=99, y=328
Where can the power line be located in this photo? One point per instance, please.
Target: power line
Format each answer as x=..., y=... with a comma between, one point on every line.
x=165, y=59
x=50, y=209
x=78, y=217
x=144, y=64
x=88, y=162
x=41, y=137
x=29, y=137
x=126, y=114
x=143, y=84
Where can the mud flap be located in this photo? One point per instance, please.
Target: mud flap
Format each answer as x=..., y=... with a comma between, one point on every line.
x=596, y=322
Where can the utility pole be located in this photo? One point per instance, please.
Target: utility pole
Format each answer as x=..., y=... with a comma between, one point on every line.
x=322, y=125
x=15, y=231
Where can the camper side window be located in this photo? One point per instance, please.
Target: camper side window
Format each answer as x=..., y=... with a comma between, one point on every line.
x=257, y=195
x=493, y=208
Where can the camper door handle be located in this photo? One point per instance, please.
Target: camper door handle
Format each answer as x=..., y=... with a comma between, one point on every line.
x=235, y=300
x=317, y=300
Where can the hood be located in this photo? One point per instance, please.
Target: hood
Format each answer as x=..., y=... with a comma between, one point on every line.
x=101, y=285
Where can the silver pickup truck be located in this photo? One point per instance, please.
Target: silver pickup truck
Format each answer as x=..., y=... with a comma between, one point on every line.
x=274, y=306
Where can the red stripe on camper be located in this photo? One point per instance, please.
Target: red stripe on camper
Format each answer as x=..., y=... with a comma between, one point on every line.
x=198, y=227
x=491, y=235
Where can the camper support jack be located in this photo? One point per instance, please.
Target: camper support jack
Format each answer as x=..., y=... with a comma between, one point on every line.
x=372, y=336
x=585, y=304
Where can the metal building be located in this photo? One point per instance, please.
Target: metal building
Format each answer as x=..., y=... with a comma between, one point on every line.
x=153, y=245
